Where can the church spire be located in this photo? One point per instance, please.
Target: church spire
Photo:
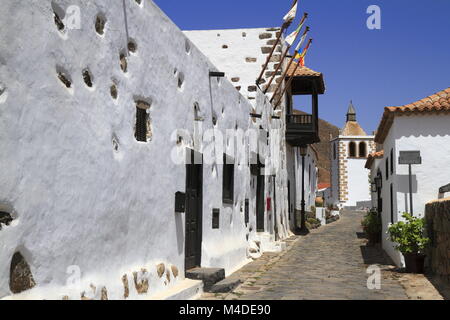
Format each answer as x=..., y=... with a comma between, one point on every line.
x=351, y=113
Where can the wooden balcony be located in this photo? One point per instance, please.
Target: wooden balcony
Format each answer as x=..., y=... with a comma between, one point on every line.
x=302, y=129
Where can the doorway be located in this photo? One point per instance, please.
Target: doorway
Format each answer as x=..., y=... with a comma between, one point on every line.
x=260, y=203
x=194, y=202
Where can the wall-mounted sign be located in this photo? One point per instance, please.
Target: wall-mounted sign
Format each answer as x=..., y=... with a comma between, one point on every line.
x=409, y=157
x=180, y=201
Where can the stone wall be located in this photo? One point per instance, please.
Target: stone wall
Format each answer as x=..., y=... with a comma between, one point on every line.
x=437, y=216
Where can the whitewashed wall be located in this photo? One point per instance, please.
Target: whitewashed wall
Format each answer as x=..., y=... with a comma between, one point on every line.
x=430, y=134
x=358, y=186
x=240, y=53
x=75, y=199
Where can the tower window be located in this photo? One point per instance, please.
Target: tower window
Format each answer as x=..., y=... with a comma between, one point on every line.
x=362, y=150
x=334, y=151
x=352, y=149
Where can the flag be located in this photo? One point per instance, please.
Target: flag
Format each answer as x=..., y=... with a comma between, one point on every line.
x=302, y=39
x=290, y=16
x=301, y=56
x=290, y=39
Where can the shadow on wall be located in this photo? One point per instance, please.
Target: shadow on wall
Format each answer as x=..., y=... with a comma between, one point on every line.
x=180, y=232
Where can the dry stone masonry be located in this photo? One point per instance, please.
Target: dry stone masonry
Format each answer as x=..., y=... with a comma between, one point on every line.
x=437, y=216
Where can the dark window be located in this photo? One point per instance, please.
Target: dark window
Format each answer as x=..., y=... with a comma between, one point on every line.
x=392, y=161
x=392, y=204
x=141, y=124
x=215, y=218
x=334, y=151
x=352, y=149
x=387, y=168
x=362, y=150
x=228, y=179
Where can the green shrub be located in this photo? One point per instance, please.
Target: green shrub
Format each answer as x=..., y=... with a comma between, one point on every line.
x=372, y=222
x=409, y=235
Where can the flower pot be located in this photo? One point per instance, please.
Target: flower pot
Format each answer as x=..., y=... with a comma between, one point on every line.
x=414, y=262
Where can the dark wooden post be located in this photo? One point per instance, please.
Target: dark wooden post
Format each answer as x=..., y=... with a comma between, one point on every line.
x=283, y=28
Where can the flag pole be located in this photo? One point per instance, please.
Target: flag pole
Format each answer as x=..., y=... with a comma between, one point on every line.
x=289, y=81
x=287, y=69
x=283, y=28
x=284, y=56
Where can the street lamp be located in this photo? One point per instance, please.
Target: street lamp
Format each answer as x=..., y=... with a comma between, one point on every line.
x=378, y=184
x=373, y=187
x=303, y=151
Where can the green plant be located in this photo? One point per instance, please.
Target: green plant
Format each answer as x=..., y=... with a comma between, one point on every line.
x=409, y=234
x=372, y=222
x=313, y=221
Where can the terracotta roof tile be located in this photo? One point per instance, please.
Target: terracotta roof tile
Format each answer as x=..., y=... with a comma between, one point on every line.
x=321, y=186
x=302, y=72
x=372, y=157
x=352, y=128
x=436, y=103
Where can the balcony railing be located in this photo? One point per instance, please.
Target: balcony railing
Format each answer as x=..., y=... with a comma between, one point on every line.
x=300, y=118
x=301, y=129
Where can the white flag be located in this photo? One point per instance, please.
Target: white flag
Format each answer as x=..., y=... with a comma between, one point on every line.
x=290, y=39
x=302, y=39
x=291, y=14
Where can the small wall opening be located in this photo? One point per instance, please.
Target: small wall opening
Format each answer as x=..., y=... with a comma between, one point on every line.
x=100, y=22
x=180, y=80
x=188, y=46
x=64, y=78
x=58, y=16
x=132, y=46
x=352, y=149
x=113, y=91
x=20, y=276
x=5, y=219
x=143, y=126
x=123, y=62
x=87, y=77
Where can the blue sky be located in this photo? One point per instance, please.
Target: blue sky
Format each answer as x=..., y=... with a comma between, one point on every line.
x=407, y=60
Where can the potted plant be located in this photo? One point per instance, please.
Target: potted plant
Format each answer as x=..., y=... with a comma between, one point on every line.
x=410, y=241
x=372, y=226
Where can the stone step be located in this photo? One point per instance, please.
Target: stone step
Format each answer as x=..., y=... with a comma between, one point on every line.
x=209, y=276
x=225, y=285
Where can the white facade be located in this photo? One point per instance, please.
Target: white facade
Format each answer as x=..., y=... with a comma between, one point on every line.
x=241, y=53
x=82, y=191
x=349, y=179
x=429, y=134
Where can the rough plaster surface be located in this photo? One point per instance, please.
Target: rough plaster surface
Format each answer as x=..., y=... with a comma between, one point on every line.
x=429, y=134
x=82, y=190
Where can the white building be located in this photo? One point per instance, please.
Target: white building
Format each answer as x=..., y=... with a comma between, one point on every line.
x=420, y=126
x=97, y=119
x=349, y=178
x=94, y=128
x=241, y=53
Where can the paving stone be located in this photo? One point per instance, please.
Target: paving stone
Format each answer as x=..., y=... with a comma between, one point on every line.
x=328, y=263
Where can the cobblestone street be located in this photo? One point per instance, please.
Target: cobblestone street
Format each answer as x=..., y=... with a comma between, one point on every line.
x=328, y=263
